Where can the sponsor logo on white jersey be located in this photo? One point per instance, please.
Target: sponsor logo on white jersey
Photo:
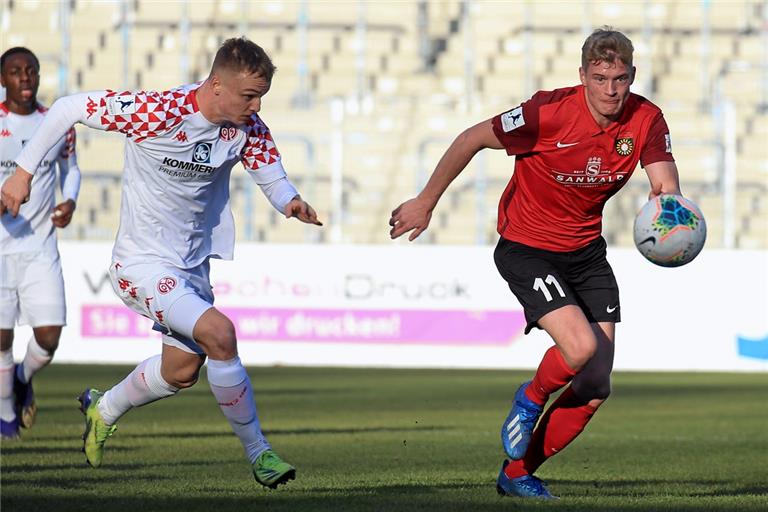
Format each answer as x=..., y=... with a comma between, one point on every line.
x=121, y=105
x=202, y=153
x=513, y=119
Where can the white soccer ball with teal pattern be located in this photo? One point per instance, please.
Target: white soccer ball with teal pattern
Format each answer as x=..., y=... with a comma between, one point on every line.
x=670, y=230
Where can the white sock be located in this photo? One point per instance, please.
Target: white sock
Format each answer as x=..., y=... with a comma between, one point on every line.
x=142, y=386
x=232, y=388
x=35, y=359
x=6, y=385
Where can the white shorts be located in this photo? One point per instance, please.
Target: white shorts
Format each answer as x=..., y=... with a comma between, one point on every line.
x=173, y=298
x=31, y=290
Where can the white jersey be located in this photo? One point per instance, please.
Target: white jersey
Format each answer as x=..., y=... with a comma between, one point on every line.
x=32, y=230
x=175, y=201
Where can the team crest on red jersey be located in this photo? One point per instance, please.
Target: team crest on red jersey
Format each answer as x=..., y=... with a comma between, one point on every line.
x=625, y=146
x=166, y=284
x=227, y=133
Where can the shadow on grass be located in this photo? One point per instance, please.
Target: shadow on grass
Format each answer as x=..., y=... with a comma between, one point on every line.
x=363, y=430
x=227, y=434
x=197, y=391
x=460, y=497
x=26, y=449
x=32, y=469
x=85, y=481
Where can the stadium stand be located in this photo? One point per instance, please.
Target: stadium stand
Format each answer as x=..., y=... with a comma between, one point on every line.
x=369, y=94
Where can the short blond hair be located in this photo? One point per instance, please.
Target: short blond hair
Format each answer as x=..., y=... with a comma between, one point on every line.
x=242, y=54
x=606, y=45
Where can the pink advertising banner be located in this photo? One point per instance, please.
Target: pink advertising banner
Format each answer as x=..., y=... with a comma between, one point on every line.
x=438, y=327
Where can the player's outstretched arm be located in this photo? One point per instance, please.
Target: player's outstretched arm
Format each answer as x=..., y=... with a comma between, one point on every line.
x=15, y=192
x=62, y=115
x=664, y=178
x=69, y=176
x=300, y=209
x=414, y=215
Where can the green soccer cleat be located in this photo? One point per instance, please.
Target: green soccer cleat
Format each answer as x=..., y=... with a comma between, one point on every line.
x=96, y=430
x=270, y=470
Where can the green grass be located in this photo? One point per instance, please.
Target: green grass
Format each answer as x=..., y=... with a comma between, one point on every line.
x=396, y=440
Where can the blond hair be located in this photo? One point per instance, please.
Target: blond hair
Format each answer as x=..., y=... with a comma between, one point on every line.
x=606, y=45
x=241, y=54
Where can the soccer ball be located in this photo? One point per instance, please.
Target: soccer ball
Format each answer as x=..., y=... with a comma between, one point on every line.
x=670, y=230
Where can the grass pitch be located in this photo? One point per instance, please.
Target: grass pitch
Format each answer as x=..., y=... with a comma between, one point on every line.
x=395, y=440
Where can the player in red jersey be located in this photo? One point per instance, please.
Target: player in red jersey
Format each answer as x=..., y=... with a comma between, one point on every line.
x=575, y=147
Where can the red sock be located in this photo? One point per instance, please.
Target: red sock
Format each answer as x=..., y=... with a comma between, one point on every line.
x=562, y=423
x=553, y=374
x=515, y=468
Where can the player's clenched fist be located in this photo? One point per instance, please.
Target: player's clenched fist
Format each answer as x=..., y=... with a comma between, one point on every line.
x=62, y=214
x=15, y=192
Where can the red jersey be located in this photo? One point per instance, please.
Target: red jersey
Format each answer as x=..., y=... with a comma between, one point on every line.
x=567, y=166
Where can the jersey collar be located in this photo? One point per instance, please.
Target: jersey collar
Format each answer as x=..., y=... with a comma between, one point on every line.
x=193, y=99
x=5, y=110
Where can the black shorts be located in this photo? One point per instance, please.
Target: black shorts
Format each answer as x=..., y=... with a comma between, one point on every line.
x=544, y=281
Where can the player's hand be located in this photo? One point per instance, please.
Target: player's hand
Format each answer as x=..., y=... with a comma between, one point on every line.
x=301, y=210
x=62, y=214
x=15, y=192
x=413, y=215
x=655, y=190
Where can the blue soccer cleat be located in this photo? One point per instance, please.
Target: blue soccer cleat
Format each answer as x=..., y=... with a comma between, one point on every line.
x=518, y=427
x=9, y=430
x=526, y=486
x=26, y=408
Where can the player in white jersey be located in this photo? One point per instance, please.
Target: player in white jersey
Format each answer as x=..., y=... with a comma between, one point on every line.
x=31, y=283
x=181, y=146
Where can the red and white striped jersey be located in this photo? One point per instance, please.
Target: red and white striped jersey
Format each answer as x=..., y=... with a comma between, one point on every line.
x=175, y=200
x=32, y=230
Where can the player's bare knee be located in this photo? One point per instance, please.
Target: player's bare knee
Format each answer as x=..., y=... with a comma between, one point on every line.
x=183, y=379
x=48, y=337
x=181, y=372
x=215, y=333
x=578, y=353
x=6, y=339
x=220, y=341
